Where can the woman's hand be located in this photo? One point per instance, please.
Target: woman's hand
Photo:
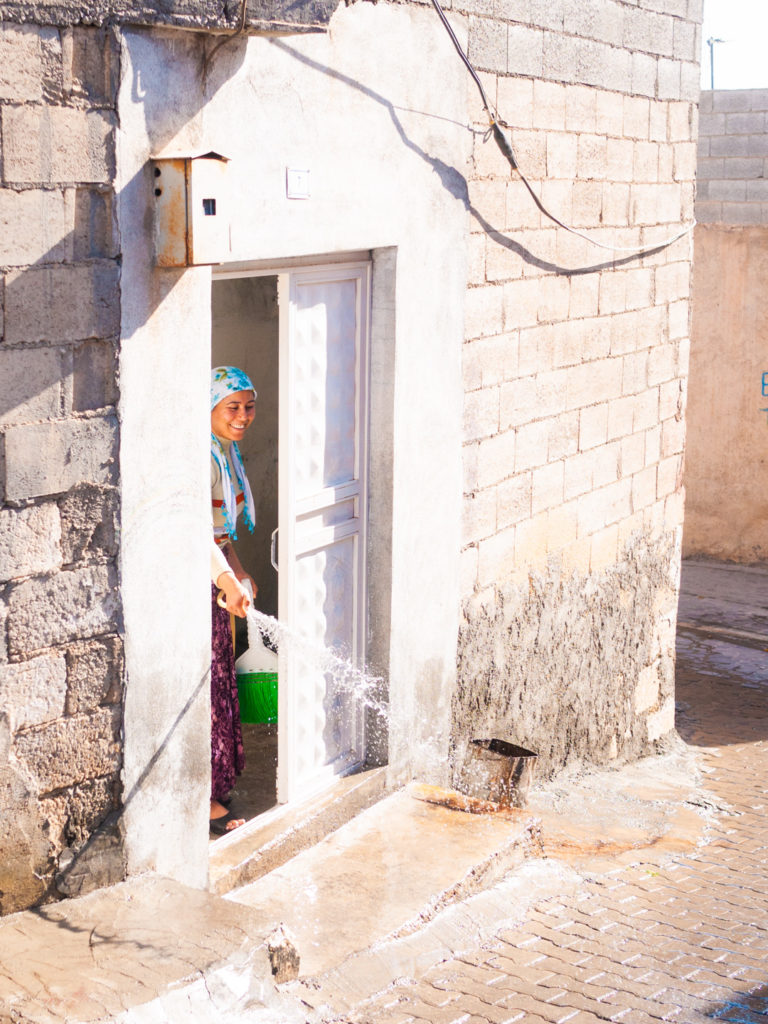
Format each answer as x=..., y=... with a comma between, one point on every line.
x=243, y=577
x=237, y=598
x=237, y=568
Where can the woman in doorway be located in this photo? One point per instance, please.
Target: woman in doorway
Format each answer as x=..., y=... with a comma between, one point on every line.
x=233, y=403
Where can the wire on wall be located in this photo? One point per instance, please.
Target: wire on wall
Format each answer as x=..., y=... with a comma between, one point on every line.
x=504, y=143
x=208, y=57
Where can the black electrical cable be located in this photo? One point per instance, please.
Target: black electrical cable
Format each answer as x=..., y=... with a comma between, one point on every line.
x=465, y=58
x=238, y=31
x=505, y=145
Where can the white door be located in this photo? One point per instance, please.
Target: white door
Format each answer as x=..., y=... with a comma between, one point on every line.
x=323, y=462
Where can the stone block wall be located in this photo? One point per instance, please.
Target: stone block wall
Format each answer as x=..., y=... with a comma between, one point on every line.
x=732, y=176
x=726, y=467
x=575, y=376
x=207, y=15
x=60, y=650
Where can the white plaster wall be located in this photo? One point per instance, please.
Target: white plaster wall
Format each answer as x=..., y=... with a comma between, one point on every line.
x=384, y=136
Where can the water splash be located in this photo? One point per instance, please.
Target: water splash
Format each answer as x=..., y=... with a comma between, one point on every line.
x=345, y=677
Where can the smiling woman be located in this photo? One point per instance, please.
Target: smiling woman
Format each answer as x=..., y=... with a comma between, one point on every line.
x=233, y=415
x=233, y=404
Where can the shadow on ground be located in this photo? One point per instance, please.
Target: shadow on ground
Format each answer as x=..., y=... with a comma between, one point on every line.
x=746, y=1009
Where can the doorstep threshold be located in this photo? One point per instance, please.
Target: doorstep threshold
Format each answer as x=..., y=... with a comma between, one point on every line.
x=278, y=835
x=384, y=875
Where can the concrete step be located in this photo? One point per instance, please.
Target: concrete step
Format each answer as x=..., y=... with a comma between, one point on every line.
x=262, y=845
x=385, y=873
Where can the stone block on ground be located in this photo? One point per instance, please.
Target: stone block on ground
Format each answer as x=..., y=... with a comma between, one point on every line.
x=283, y=955
x=150, y=949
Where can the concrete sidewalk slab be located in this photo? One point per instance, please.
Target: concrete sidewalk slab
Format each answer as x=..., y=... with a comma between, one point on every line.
x=404, y=885
x=148, y=951
x=602, y=819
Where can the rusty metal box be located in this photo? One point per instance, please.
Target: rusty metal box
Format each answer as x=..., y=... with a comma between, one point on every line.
x=191, y=223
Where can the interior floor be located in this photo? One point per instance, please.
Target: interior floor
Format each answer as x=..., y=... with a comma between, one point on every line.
x=256, y=789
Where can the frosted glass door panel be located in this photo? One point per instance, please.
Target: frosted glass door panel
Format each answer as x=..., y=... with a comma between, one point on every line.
x=323, y=509
x=325, y=392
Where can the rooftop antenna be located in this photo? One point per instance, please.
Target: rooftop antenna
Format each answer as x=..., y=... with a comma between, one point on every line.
x=711, y=44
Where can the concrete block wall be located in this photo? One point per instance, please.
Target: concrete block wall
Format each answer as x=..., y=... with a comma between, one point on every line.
x=575, y=377
x=60, y=651
x=726, y=467
x=732, y=175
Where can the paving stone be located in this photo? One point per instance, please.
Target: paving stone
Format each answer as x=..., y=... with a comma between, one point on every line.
x=682, y=938
x=664, y=937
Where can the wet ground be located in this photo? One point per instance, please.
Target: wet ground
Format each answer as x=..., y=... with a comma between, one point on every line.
x=256, y=789
x=645, y=900
x=671, y=937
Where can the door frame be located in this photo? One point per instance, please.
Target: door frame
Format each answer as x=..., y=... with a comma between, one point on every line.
x=282, y=269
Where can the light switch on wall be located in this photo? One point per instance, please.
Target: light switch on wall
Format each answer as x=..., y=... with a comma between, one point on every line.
x=296, y=183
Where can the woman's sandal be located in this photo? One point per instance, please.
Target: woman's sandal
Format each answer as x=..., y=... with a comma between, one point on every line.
x=219, y=825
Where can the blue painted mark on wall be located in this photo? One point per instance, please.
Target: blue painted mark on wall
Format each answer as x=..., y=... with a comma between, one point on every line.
x=765, y=384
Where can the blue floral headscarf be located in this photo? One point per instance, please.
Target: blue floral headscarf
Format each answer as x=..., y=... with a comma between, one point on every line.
x=226, y=380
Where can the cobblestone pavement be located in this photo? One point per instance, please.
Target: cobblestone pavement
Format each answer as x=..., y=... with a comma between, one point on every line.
x=683, y=939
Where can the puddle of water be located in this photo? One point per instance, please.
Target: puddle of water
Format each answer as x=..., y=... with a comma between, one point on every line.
x=713, y=656
x=456, y=801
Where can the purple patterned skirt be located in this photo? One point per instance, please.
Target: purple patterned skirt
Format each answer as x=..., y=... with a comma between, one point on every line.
x=227, y=754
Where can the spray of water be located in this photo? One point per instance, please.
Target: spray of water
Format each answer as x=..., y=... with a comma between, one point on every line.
x=346, y=678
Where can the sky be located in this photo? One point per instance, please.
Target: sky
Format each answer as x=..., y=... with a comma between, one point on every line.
x=740, y=61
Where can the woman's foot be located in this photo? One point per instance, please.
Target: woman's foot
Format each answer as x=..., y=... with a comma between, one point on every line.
x=221, y=820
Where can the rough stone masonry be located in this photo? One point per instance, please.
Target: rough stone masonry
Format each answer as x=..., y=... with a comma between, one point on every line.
x=60, y=649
